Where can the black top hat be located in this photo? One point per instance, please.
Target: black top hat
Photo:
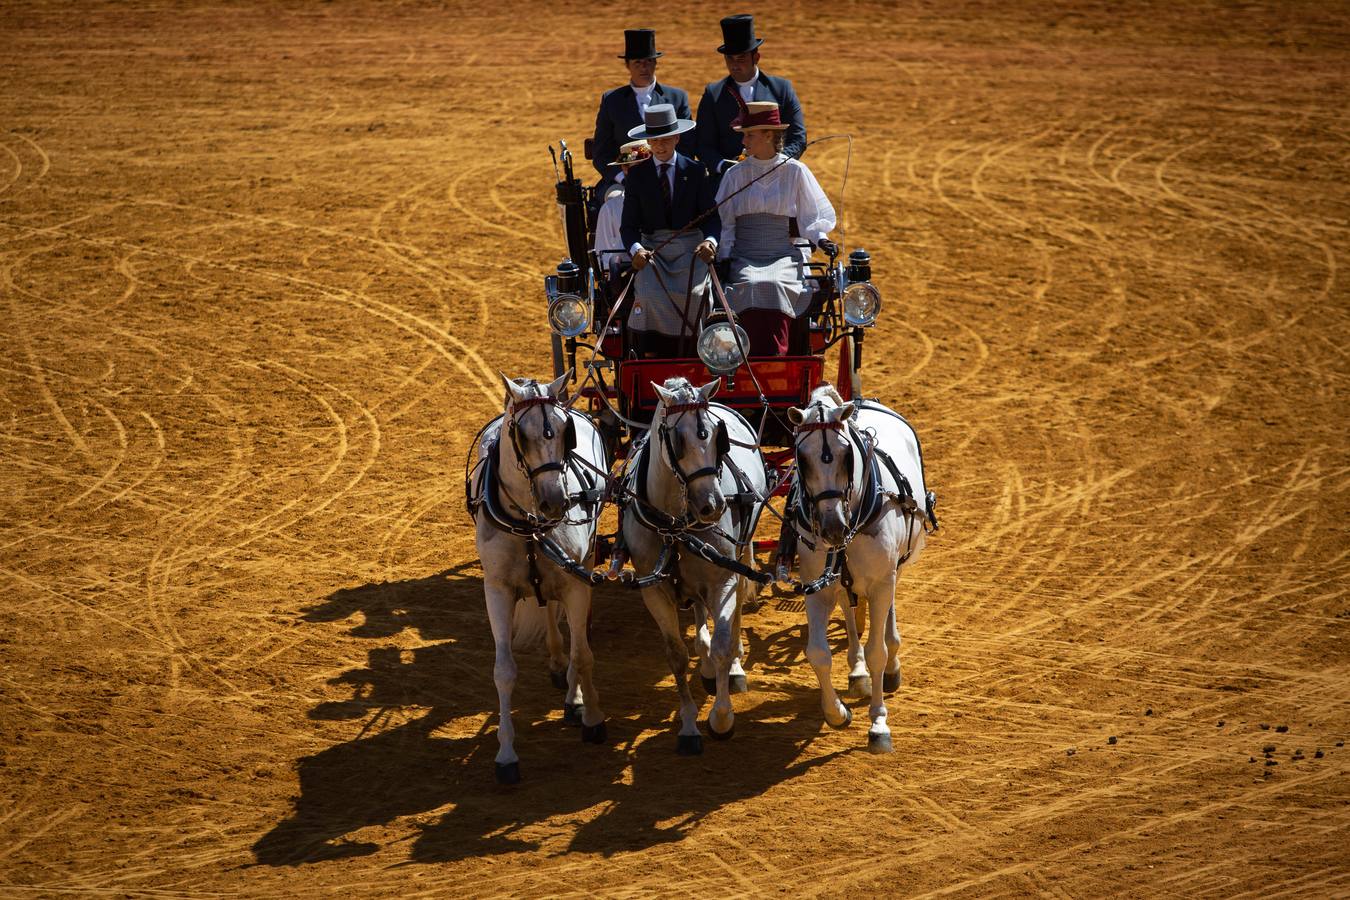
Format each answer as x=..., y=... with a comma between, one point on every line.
x=738, y=35
x=639, y=43
x=660, y=121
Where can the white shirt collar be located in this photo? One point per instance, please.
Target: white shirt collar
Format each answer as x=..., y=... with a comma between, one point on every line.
x=640, y=91
x=753, y=79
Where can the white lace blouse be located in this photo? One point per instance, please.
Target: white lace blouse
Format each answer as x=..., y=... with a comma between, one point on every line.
x=790, y=190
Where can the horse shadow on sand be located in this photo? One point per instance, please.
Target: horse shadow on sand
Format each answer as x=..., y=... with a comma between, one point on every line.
x=634, y=791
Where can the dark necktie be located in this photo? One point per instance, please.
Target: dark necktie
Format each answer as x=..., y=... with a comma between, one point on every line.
x=661, y=172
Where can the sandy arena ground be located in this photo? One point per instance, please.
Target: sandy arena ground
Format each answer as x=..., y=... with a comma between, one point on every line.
x=259, y=266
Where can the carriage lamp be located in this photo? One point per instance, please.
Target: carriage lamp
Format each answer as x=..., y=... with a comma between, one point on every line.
x=719, y=346
x=568, y=313
x=862, y=301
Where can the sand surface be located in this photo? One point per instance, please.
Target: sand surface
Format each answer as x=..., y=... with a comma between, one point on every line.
x=260, y=265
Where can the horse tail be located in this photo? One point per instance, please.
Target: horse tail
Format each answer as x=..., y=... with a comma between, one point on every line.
x=529, y=624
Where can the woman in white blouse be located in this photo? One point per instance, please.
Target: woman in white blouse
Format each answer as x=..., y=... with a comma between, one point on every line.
x=767, y=285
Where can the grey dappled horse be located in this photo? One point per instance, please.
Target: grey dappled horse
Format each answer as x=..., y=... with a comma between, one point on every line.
x=861, y=510
x=695, y=490
x=535, y=495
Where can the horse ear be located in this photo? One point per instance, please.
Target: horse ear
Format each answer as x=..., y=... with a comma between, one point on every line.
x=708, y=390
x=667, y=398
x=514, y=390
x=557, y=387
x=845, y=412
x=796, y=416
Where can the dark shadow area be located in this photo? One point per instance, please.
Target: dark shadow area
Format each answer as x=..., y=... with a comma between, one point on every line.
x=396, y=767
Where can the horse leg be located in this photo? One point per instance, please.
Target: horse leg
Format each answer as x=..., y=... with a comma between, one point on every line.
x=879, y=601
x=738, y=683
x=577, y=597
x=661, y=604
x=818, y=609
x=702, y=646
x=501, y=605
x=859, y=682
x=722, y=717
x=890, y=682
x=557, y=660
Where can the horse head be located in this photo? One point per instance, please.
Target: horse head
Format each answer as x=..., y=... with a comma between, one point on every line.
x=827, y=461
x=692, y=442
x=541, y=433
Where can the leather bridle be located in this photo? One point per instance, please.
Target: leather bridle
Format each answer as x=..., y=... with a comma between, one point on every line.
x=518, y=409
x=673, y=453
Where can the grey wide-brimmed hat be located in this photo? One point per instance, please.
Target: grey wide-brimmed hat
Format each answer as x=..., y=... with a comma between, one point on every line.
x=660, y=121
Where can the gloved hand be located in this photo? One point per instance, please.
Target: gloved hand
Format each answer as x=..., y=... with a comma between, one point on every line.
x=829, y=246
x=706, y=251
x=641, y=259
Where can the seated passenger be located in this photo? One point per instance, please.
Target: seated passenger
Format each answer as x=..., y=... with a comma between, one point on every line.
x=767, y=286
x=608, y=242
x=665, y=196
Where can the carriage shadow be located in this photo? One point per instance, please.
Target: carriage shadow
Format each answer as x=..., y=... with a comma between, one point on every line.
x=402, y=765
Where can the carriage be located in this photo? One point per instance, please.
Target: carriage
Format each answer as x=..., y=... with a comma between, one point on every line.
x=693, y=480
x=615, y=380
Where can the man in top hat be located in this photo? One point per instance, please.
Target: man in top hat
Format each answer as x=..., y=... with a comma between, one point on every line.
x=719, y=145
x=621, y=109
x=663, y=199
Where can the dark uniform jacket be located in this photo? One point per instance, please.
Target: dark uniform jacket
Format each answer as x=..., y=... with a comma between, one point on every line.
x=619, y=114
x=644, y=209
x=716, y=139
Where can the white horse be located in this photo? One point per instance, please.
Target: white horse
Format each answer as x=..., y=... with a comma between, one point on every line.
x=861, y=506
x=535, y=497
x=696, y=488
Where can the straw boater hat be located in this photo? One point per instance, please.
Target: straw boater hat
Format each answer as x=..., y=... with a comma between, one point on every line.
x=660, y=121
x=632, y=152
x=759, y=115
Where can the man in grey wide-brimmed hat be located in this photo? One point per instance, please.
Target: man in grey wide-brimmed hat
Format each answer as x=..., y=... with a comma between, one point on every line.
x=665, y=197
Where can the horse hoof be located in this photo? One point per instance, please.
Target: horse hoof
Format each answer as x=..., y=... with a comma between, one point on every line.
x=559, y=678
x=572, y=715
x=709, y=685
x=738, y=684
x=508, y=773
x=890, y=682
x=594, y=734
x=848, y=720
x=721, y=735
x=860, y=686
x=689, y=745
x=878, y=743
